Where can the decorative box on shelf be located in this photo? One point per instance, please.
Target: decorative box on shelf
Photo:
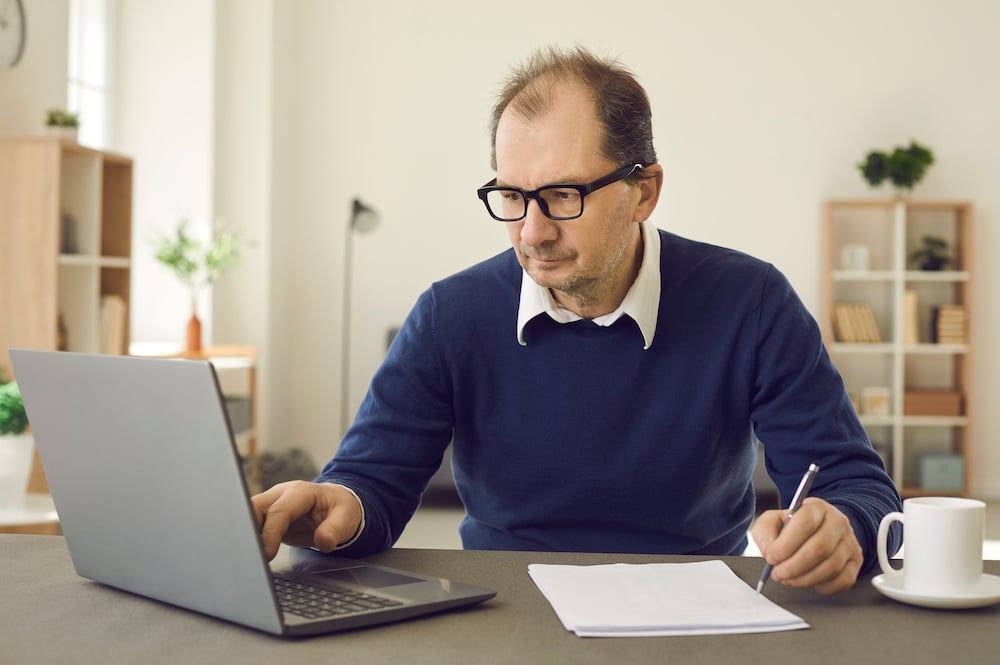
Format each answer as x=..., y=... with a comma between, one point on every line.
x=932, y=403
x=942, y=472
x=876, y=401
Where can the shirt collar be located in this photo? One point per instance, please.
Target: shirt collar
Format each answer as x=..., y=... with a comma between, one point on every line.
x=641, y=302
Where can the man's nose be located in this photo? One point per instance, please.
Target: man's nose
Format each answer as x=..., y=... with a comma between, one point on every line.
x=537, y=227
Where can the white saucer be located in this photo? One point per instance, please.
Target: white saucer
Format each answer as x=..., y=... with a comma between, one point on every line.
x=987, y=592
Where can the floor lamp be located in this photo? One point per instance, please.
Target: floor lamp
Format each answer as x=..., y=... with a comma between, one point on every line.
x=363, y=219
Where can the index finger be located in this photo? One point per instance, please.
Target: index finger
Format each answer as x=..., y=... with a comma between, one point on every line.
x=274, y=517
x=796, y=531
x=766, y=527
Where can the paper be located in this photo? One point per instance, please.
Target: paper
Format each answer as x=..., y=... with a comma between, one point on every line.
x=640, y=600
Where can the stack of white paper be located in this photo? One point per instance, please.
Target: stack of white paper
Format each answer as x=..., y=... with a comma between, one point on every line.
x=622, y=600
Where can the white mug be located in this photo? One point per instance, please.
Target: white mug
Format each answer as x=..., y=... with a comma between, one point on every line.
x=943, y=538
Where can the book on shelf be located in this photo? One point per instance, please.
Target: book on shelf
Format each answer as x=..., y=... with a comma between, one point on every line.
x=911, y=333
x=871, y=328
x=855, y=323
x=841, y=323
x=113, y=323
x=949, y=324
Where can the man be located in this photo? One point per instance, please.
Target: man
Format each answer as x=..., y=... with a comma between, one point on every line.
x=604, y=383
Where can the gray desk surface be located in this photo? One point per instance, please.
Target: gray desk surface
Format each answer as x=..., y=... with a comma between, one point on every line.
x=49, y=615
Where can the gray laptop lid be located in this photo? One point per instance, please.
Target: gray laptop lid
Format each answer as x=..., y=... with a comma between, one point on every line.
x=149, y=497
x=147, y=482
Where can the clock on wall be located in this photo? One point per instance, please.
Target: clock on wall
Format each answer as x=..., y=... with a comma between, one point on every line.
x=13, y=32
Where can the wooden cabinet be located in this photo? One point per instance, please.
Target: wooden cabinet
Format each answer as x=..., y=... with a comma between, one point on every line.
x=901, y=336
x=37, y=516
x=66, y=229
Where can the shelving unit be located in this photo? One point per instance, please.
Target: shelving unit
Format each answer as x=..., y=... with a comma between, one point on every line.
x=891, y=230
x=66, y=224
x=65, y=245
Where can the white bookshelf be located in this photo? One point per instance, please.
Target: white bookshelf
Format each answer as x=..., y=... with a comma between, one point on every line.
x=890, y=230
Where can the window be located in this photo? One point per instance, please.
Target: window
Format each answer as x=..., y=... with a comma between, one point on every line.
x=89, y=79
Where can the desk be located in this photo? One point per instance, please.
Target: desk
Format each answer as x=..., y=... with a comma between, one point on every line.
x=49, y=615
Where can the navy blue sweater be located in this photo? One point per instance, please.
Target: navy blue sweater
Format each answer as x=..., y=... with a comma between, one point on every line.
x=584, y=441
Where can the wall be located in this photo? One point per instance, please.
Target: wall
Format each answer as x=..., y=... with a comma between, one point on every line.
x=761, y=112
x=195, y=106
x=243, y=175
x=166, y=103
x=38, y=82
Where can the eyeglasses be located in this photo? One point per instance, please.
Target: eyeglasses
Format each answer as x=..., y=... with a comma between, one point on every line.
x=558, y=202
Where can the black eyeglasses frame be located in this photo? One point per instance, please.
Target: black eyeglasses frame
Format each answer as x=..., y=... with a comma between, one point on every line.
x=526, y=195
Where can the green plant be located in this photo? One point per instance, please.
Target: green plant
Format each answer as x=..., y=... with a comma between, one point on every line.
x=904, y=167
x=197, y=264
x=13, y=418
x=932, y=255
x=61, y=118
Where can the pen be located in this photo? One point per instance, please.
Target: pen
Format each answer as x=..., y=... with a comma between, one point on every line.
x=800, y=495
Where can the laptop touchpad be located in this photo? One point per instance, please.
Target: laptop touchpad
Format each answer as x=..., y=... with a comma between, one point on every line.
x=365, y=576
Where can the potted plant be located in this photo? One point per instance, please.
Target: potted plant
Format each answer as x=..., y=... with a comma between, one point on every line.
x=903, y=167
x=62, y=123
x=197, y=265
x=17, y=447
x=932, y=254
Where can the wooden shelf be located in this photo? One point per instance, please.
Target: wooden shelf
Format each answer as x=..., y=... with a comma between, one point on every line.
x=37, y=516
x=94, y=261
x=842, y=347
x=66, y=224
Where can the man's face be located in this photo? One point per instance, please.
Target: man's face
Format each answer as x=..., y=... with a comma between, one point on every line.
x=589, y=259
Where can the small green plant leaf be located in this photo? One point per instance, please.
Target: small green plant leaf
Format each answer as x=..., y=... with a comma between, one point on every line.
x=13, y=417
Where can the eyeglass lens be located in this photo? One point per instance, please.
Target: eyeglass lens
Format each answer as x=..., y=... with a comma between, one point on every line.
x=556, y=202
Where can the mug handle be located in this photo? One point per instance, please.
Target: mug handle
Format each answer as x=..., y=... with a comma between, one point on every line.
x=881, y=543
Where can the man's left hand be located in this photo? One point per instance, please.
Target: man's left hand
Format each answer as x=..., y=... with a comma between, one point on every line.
x=817, y=548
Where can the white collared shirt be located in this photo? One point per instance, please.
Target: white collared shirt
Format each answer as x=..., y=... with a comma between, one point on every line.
x=641, y=302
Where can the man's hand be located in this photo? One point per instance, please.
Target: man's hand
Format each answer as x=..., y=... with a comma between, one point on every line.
x=817, y=548
x=307, y=515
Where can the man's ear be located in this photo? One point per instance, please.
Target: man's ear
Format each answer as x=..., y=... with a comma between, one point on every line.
x=649, y=192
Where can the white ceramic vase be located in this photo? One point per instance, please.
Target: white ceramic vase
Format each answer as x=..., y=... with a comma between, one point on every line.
x=64, y=133
x=17, y=451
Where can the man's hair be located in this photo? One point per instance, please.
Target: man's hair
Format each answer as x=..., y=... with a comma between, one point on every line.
x=622, y=105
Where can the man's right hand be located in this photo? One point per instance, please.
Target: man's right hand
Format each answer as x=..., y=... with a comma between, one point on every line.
x=305, y=514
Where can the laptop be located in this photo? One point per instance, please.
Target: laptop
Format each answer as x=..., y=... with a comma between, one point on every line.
x=145, y=475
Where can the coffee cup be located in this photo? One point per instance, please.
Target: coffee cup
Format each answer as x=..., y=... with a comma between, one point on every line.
x=943, y=545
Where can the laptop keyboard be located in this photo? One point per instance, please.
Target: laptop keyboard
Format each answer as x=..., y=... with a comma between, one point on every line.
x=315, y=602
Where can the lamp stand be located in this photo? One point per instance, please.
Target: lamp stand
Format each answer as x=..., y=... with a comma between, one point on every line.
x=363, y=219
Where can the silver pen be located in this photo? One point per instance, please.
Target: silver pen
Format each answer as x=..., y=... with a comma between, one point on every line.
x=800, y=495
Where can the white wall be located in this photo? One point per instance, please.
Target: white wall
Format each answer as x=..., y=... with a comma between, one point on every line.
x=243, y=179
x=761, y=112
x=165, y=110
x=38, y=82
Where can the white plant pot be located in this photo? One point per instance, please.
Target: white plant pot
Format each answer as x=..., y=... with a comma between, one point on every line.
x=65, y=133
x=17, y=452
